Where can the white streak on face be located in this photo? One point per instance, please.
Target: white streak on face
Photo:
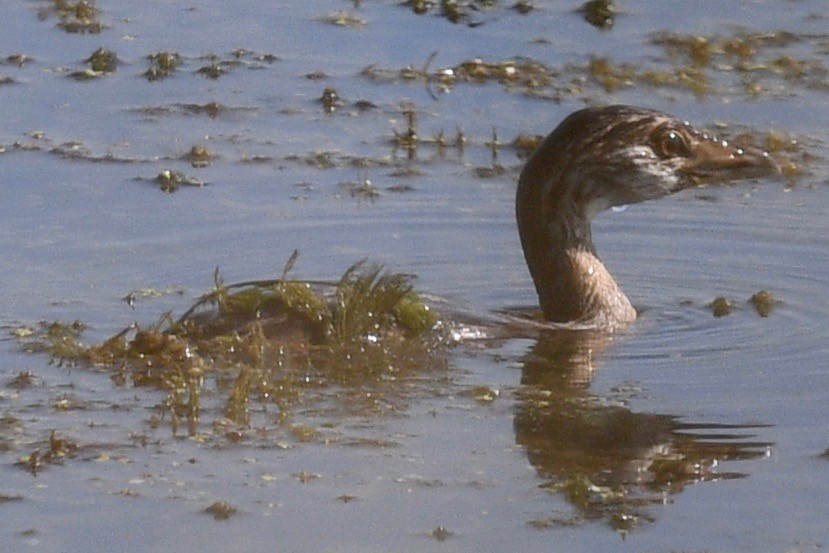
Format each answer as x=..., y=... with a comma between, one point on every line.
x=641, y=175
x=652, y=172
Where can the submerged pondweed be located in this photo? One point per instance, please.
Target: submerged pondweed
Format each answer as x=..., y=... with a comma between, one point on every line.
x=278, y=342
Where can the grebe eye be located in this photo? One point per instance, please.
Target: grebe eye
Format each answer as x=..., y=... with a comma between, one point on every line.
x=669, y=143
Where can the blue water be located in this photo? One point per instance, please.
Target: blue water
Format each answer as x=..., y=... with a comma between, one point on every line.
x=77, y=235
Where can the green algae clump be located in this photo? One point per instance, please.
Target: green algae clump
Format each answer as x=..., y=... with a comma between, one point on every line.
x=282, y=341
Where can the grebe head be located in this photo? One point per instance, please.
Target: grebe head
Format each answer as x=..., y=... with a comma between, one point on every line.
x=619, y=155
x=598, y=158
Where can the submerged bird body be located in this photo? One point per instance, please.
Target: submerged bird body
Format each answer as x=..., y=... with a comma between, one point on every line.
x=595, y=159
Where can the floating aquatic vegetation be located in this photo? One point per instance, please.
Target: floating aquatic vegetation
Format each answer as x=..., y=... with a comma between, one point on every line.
x=410, y=139
x=611, y=78
x=419, y=7
x=363, y=189
x=319, y=160
x=253, y=60
x=241, y=57
x=275, y=341
x=482, y=394
x=330, y=160
x=162, y=64
x=558, y=521
x=454, y=11
x=441, y=533
x=366, y=299
x=212, y=70
x=343, y=19
x=86, y=75
x=524, y=6
x=23, y=380
x=58, y=449
x=721, y=306
x=330, y=99
x=754, y=58
x=221, y=510
x=199, y=156
x=762, y=302
x=752, y=64
x=524, y=75
x=599, y=13
x=149, y=293
x=74, y=17
x=211, y=109
x=171, y=181
x=101, y=62
x=58, y=339
x=526, y=144
x=18, y=59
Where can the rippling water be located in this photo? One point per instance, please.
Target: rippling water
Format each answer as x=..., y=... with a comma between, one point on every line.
x=711, y=429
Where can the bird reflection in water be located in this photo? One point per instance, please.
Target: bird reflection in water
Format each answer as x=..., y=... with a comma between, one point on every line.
x=609, y=462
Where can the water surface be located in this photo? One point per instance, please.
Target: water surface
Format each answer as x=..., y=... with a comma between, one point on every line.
x=82, y=223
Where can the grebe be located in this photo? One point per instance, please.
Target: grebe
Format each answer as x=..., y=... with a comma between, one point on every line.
x=600, y=157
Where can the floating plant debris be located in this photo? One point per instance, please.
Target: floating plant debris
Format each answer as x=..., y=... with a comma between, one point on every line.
x=751, y=64
x=18, y=59
x=57, y=450
x=149, y=293
x=273, y=341
x=212, y=70
x=86, y=74
x=23, y=380
x=362, y=189
x=162, y=64
x=562, y=521
x=343, y=19
x=74, y=17
x=306, y=476
x=240, y=57
x=171, y=181
x=721, y=307
x=762, y=302
x=609, y=77
x=221, y=510
x=212, y=109
x=454, y=11
x=524, y=6
x=441, y=533
x=526, y=144
x=330, y=99
x=199, y=156
x=598, y=13
x=103, y=60
x=483, y=394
